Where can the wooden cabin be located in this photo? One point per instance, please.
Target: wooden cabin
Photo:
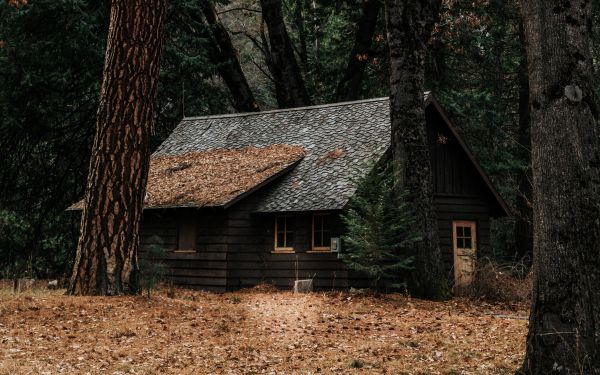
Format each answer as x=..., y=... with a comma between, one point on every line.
x=242, y=199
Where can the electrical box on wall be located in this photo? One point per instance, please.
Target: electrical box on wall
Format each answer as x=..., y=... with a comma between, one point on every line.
x=335, y=245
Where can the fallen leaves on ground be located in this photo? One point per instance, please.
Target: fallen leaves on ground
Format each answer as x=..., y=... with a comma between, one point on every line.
x=257, y=332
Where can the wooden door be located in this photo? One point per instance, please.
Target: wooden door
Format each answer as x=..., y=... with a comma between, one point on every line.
x=464, y=236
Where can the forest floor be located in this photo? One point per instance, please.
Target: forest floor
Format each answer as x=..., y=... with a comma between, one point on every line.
x=257, y=331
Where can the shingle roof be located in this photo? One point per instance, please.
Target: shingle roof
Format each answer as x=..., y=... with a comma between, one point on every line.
x=339, y=140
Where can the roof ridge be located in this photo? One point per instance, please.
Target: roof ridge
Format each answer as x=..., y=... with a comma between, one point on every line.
x=318, y=106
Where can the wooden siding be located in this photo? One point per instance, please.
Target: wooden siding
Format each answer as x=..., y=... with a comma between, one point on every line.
x=251, y=258
x=205, y=268
x=450, y=208
x=235, y=248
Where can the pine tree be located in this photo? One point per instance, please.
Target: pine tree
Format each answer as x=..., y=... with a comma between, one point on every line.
x=381, y=230
x=106, y=259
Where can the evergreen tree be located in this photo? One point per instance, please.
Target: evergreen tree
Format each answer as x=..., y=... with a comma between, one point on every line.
x=381, y=230
x=106, y=258
x=51, y=55
x=152, y=268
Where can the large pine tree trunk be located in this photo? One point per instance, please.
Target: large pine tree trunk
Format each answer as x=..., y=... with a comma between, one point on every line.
x=224, y=55
x=408, y=24
x=524, y=222
x=289, y=83
x=564, y=326
x=106, y=258
x=350, y=84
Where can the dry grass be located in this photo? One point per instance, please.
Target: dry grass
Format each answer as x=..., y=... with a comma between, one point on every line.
x=256, y=332
x=214, y=177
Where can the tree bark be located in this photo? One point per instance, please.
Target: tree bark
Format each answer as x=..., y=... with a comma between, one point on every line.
x=408, y=22
x=301, y=27
x=524, y=206
x=106, y=259
x=564, y=325
x=349, y=86
x=289, y=83
x=224, y=55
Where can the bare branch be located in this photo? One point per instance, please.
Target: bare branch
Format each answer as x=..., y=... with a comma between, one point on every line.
x=239, y=9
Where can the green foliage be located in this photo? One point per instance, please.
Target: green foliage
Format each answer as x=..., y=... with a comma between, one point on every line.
x=12, y=233
x=51, y=60
x=476, y=60
x=329, y=32
x=152, y=270
x=381, y=229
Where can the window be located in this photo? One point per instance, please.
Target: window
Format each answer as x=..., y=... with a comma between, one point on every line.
x=284, y=234
x=186, y=232
x=464, y=234
x=321, y=233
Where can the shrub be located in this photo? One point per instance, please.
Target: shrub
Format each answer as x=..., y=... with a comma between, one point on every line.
x=380, y=230
x=152, y=270
x=356, y=363
x=502, y=282
x=25, y=252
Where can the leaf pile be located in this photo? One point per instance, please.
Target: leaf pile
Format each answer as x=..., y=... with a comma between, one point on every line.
x=257, y=332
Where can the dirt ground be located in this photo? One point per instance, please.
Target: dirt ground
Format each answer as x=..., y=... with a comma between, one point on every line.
x=256, y=332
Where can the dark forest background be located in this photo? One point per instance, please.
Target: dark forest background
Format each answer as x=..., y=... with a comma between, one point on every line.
x=51, y=57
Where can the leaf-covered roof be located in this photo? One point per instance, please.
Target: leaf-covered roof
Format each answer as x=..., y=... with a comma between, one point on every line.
x=213, y=178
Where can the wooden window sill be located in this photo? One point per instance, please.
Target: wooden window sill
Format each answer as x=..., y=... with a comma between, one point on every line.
x=315, y=251
x=184, y=251
x=283, y=251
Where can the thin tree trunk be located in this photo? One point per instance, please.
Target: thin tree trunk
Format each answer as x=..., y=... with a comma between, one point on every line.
x=407, y=24
x=316, y=36
x=225, y=57
x=106, y=259
x=564, y=325
x=350, y=84
x=289, y=83
x=524, y=223
x=301, y=27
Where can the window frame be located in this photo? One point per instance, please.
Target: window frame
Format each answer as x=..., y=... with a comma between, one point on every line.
x=284, y=249
x=319, y=249
x=472, y=226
